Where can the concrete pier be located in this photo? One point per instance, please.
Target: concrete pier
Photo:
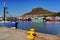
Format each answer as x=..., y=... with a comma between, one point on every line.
x=10, y=34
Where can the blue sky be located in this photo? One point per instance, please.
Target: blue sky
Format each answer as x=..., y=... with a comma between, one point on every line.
x=19, y=7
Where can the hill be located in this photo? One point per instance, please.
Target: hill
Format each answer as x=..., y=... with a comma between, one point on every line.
x=38, y=12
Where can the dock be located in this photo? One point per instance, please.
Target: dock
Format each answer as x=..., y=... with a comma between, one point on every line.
x=17, y=34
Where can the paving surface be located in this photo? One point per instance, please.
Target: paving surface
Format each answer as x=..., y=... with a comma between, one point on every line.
x=9, y=34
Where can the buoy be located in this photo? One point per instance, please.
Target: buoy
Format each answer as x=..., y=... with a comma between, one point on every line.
x=31, y=34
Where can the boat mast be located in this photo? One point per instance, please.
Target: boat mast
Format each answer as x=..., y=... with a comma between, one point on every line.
x=4, y=10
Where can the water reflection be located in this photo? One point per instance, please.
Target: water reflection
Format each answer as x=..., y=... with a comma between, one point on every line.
x=44, y=27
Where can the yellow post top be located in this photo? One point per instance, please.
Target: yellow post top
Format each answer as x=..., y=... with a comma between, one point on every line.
x=32, y=29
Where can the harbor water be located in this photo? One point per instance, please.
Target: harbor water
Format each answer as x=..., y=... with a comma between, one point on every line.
x=43, y=27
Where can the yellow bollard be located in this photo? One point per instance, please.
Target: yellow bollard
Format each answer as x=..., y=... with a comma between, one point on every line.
x=31, y=34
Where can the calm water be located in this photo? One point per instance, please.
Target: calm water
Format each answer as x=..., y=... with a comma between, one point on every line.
x=45, y=27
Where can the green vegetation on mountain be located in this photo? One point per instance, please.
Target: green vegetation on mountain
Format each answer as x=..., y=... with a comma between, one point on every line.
x=56, y=14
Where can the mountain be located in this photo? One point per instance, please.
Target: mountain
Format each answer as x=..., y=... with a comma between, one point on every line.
x=38, y=12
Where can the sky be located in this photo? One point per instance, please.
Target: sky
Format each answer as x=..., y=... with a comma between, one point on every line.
x=20, y=7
